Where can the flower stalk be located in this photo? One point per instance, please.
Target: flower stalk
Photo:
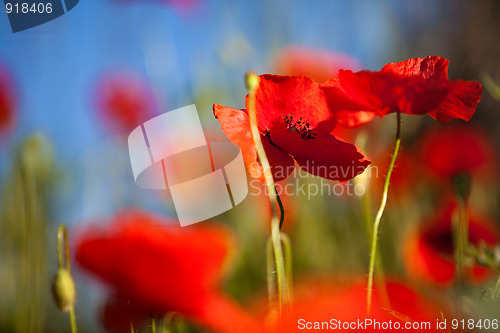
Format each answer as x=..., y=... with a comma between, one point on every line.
x=378, y=217
x=252, y=82
x=63, y=286
x=462, y=186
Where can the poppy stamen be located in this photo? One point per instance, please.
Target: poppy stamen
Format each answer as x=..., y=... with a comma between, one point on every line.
x=300, y=126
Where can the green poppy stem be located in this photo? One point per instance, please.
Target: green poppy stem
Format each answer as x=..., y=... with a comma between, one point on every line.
x=496, y=290
x=72, y=319
x=378, y=217
x=287, y=246
x=282, y=209
x=153, y=325
x=252, y=81
x=63, y=254
x=461, y=243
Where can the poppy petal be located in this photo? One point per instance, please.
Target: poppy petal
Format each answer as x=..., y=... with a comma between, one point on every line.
x=295, y=96
x=431, y=68
x=324, y=156
x=460, y=102
x=235, y=124
x=414, y=86
x=224, y=316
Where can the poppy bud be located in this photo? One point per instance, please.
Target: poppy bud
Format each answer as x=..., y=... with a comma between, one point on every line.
x=251, y=80
x=462, y=185
x=63, y=289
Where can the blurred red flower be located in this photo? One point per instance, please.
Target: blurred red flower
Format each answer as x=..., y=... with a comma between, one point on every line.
x=318, y=64
x=7, y=101
x=429, y=251
x=159, y=268
x=295, y=125
x=119, y=313
x=415, y=86
x=405, y=177
x=456, y=150
x=124, y=101
x=317, y=307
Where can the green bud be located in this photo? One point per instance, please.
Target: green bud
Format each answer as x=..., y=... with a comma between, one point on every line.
x=252, y=81
x=63, y=290
x=462, y=183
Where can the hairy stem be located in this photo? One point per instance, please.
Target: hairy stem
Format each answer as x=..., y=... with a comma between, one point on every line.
x=378, y=217
x=283, y=294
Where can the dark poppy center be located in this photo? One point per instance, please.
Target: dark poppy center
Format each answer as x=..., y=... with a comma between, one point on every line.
x=301, y=127
x=441, y=241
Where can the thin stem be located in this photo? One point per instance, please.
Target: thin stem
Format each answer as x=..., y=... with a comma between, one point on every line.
x=271, y=267
x=282, y=209
x=287, y=246
x=462, y=241
x=496, y=291
x=153, y=325
x=72, y=319
x=283, y=294
x=62, y=239
x=380, y=212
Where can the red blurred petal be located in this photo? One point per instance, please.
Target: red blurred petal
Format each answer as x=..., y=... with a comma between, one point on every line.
x=351, y=119
x=447, y=151
x=7, y=101
x=119, y=313
x=318, y=64
x=224, y=316
x=161, y=266
x=124, y=101
x=349, y=305
x=429, y=252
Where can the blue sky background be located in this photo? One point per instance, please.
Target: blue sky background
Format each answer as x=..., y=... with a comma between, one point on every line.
x=57, y=65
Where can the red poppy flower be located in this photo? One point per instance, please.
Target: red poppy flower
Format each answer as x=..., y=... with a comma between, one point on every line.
x=330, y=309
x=429, y=252
x=162, y=268
x=415, y=86
x=295, y=124
x=455, y=150
x=124, y=101
x=320, y=65
x=7, y=101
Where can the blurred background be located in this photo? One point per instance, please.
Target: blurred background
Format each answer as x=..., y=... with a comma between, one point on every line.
x=71, y=90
